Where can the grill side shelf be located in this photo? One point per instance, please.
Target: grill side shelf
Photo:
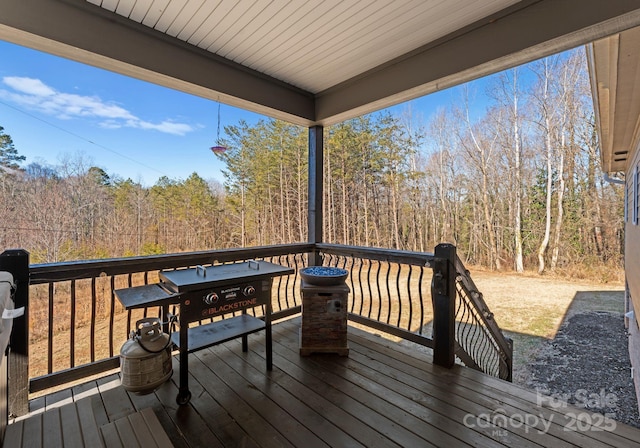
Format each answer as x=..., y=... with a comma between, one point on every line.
x=218, y=332
x=145, y=296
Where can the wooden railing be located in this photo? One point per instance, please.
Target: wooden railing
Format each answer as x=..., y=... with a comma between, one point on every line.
x=73, y=306
x=77, y=325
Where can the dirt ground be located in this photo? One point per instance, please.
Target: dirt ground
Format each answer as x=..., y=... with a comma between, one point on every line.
x=569, y=338
x=531, y=308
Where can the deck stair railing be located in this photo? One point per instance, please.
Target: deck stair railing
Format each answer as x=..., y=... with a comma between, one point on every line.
x=477, y=331
x=477, y=338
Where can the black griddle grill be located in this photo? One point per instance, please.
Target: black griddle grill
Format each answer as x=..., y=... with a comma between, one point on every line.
x=206, y=292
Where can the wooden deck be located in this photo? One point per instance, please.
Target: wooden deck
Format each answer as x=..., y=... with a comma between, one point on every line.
x=383, y=395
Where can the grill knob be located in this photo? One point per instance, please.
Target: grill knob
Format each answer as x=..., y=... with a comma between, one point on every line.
x=211, y=298
x=249, y=290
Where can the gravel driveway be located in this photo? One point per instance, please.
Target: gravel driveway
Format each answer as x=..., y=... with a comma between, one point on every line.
x=587, y=365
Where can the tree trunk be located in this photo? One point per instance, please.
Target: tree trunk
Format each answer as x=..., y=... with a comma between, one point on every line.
x=559, y=208
x=519, y=264
x=542, y=249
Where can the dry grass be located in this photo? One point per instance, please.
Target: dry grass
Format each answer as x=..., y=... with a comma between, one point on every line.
x=531, y=308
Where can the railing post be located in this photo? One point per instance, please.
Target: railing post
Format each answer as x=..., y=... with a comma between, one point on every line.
x=506, y=365
x=443, y=295
x=316, y=155
x=16, y=261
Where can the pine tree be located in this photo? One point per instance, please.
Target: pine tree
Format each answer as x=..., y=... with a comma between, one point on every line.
x=9, y=157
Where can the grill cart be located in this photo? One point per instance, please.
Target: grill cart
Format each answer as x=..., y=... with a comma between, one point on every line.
x=206, y=292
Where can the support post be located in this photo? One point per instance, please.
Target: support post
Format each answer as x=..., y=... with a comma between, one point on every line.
x=506, y=365
x=16, y=261
x=443, y=294
x=316, y=155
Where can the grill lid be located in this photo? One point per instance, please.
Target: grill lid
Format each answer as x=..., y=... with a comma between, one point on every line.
x=195, y=279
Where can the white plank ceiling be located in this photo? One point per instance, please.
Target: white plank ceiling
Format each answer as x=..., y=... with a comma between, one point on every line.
x=310, y=61
x=310, y=44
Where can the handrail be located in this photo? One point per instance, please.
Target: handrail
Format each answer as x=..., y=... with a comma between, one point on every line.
x=374, y=253
x=70, y=270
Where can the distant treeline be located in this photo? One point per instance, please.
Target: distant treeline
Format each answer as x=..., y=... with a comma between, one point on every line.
x=516, y=186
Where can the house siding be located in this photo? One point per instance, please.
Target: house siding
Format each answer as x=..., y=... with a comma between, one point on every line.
x=634, y=349
x=632, y=264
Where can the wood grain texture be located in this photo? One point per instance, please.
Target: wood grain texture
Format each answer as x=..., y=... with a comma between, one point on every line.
x=384, y=394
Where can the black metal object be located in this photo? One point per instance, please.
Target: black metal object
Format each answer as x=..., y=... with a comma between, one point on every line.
x=207, y=292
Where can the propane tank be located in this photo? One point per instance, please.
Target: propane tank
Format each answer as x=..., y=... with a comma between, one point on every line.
x=145, y=358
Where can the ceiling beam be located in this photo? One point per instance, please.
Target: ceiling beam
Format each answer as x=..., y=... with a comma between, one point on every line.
x=527, y=31
x=78, y=30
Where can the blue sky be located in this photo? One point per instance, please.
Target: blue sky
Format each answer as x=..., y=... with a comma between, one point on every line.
x=55, y=108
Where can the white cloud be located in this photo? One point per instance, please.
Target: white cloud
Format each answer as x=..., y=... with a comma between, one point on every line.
x=30, y=86
x=169, y=127
x=34, y=94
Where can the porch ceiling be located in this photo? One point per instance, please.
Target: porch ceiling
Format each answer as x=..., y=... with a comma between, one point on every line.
x=305, y=61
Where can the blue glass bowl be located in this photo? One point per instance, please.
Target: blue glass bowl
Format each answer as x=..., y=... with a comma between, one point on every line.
x=323, y=275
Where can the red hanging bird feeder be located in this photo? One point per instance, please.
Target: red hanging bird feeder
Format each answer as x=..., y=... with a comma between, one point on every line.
x=218, y=148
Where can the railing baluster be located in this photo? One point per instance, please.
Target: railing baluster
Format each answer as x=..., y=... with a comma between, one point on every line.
x=410, y=298
x=278, y=286
x=378, y=290
x=145, y=311
x=388, y=321
x=112, y=295
x=369, y=289
x=50, y=332
x=421, y=301
x=296, y=265
x=129, y=285
x=399, y=295
x=353, y=289
x=92, y=336
x=72, y=329
x=360, y=285
x=286, y=286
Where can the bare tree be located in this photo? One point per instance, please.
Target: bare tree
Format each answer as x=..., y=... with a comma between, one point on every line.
x=479, y=143
x=545, y=102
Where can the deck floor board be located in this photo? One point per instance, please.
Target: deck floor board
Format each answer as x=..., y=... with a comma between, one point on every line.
x=374, y=377
x=384, y=394
x=410, y=430
x=316, y=394
x=470, y=399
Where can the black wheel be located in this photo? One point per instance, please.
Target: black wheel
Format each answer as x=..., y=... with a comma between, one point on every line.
x=183, y=397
